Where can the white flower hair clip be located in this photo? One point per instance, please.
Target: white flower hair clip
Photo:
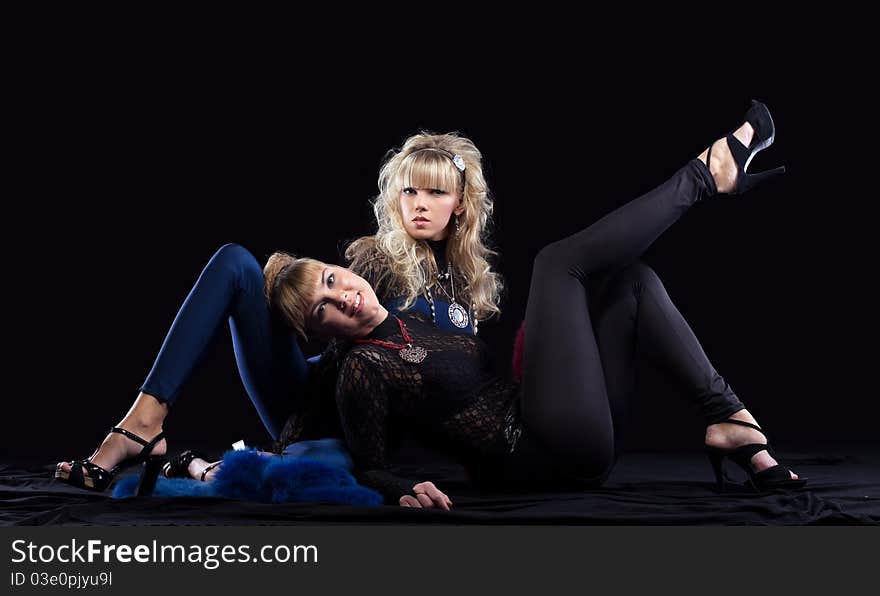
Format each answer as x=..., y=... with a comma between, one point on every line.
x=458, y=161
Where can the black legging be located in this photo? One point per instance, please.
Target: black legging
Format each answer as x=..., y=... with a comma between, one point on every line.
x=591, y=305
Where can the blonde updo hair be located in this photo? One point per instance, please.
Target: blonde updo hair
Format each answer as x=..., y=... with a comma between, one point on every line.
x=426, y=161
x=289, y=287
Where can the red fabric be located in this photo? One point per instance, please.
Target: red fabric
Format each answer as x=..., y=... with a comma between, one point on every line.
x=518, y=350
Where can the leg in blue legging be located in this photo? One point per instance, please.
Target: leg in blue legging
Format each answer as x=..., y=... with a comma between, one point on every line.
x=270, y=362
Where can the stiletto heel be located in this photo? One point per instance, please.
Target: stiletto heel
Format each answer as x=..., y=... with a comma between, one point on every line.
x=749, y=181
x=765, y=132
x=147, y=483
x=716, y=458
x=774, y=477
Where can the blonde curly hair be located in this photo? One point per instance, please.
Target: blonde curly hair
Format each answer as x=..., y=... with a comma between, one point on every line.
x=425, y=161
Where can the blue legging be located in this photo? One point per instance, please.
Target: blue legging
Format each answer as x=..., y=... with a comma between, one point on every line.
x=270, y=362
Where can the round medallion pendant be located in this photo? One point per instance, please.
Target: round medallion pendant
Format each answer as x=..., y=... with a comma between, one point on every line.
x=413, y=354
x=458, y=315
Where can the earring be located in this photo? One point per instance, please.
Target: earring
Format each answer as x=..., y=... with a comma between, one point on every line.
x=457, y=226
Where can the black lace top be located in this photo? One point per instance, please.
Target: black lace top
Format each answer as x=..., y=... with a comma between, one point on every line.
x=453, y=400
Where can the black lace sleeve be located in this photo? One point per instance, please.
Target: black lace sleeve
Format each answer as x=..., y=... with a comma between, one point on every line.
x=364, y=408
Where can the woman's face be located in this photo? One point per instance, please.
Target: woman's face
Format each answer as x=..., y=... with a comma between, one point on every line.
x=426, y=211
x=344, y=304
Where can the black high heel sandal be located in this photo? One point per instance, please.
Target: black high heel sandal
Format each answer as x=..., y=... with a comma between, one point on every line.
x=774, y=477
x=84, y=474
x=179, y=466
x=759, y=117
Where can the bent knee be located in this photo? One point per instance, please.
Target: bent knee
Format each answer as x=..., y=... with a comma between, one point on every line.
x=237, y=258
x=555, y=258
x=639, y=271
x=639, y=276
x=549, y=255
x=235, y=253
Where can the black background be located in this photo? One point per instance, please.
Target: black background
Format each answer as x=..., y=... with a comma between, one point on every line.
x=133, y=164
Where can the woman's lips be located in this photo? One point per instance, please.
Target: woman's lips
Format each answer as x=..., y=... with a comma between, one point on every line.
x=360, y=306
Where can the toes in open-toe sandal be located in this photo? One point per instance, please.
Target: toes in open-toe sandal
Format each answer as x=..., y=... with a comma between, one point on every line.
x=774, y=477
x=84, y=474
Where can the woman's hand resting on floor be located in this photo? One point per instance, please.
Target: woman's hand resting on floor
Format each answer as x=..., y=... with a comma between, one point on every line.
x=427, y=496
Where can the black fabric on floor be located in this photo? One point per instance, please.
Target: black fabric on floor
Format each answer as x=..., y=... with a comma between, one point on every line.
x=643, y=489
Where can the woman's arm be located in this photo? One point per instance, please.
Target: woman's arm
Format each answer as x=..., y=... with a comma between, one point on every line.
x=364, y=409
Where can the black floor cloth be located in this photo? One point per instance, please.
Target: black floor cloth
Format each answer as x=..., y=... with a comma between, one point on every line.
x=643, y=489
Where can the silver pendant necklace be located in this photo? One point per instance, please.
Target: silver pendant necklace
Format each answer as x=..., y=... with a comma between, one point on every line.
x=457, y=313
x=458, y=317
x=408, y=352
x=413, y=354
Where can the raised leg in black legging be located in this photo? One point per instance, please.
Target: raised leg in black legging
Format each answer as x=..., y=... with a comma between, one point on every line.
x=565, y=393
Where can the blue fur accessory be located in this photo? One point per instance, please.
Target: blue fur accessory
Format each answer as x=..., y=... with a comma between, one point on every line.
x=249, y=475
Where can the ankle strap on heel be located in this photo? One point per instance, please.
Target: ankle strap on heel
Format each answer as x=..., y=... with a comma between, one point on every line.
x=148, y=445
x=748, y=424
x=743, y=423
x=210, y=467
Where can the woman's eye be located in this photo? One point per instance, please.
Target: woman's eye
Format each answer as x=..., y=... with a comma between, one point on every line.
x=330, y=279
x=408, y=190
x=437, y=191
x=321, y=309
